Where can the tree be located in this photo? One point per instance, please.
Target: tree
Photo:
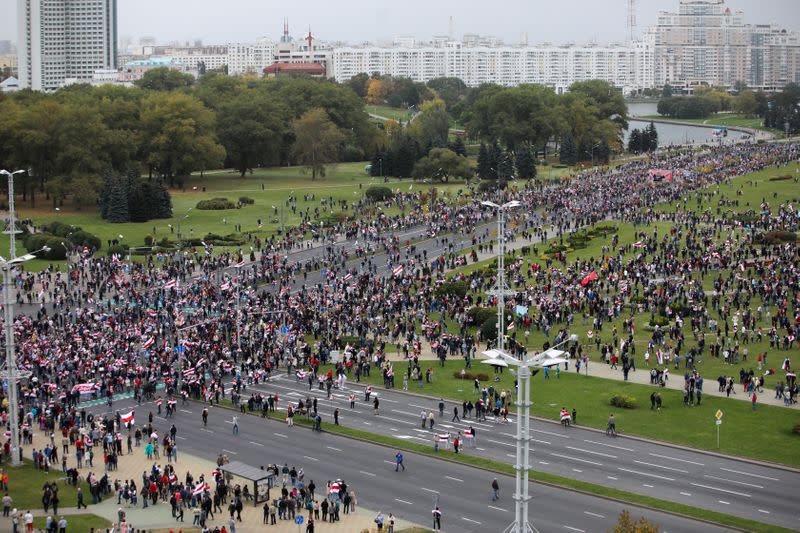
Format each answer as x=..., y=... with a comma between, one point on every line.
x=451, y=90
x=317, y=141
x=117, y=210
x=604, y=99
x=666, y=92
x=443, y=163
x=746, y=103
x=178, y=135
x=569, y=152
x=458, y=146
x=505, y=166
x=359, y=83
x=251, y=127
x=652, y=137
x=164, y=79
x=626, y=524
x=484, y=163
x=635, y=142
x=525, y=160
x=431, y=126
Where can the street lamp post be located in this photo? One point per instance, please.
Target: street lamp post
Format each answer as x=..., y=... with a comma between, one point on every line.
x=501, y=290
x=549, y=357
x=181, y=219
x=10, y=370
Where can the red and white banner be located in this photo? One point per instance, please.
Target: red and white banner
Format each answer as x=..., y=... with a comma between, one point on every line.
x=127, y=419
x=171, y=284
x=200, y=489
x=590, y=334
x=638, y=244
x=149, y=342
x=85, y=388
x=397, y=270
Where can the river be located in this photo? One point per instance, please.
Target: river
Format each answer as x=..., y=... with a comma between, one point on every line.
x=674, y=133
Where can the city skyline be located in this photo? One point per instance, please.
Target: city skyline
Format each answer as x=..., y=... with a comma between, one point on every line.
x=351, y=22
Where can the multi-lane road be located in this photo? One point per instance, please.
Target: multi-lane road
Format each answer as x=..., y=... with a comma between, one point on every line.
x=463, y=493
x=713, y=482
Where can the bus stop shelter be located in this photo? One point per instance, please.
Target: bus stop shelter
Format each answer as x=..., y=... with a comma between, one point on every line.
x=261, y=478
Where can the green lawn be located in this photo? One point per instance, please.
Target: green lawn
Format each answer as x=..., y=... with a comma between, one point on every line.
x=733, y=120
x=394, y=113
x=690, y=426
x=25, y=487
x=82, y=523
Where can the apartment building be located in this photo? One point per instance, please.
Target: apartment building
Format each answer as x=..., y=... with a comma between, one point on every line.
x=63, y=41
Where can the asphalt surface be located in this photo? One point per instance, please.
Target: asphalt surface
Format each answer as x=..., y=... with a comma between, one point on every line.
x=463, y=493
x=717, y=483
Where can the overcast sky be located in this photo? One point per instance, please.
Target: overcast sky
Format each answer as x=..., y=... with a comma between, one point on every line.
x=216, y=21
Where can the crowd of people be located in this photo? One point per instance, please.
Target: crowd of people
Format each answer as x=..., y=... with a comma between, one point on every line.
x=201, y=325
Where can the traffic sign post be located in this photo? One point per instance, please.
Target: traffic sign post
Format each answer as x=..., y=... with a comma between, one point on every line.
x=718, y=416
x=299, y=521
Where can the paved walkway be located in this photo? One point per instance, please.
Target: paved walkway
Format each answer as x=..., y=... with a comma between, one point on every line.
x=159, y=517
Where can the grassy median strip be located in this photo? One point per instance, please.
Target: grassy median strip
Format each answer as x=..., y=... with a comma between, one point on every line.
x=540, y=477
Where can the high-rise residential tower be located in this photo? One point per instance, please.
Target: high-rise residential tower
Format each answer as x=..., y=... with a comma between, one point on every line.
x=61, y=41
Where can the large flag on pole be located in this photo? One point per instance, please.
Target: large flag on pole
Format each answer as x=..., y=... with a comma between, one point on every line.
x=127, y=419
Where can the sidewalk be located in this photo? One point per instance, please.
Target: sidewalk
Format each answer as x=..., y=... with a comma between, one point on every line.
x=159, y=517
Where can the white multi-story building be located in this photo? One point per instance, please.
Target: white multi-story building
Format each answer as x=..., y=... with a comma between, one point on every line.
x=704, y=42
x=65, y=40
x=476, y=61
x=250, y=58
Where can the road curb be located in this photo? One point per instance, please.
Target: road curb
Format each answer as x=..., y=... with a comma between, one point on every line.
x=748, y=460
x=533, y=479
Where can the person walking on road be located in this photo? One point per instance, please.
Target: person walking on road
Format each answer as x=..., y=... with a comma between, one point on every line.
x=235, y=425
x=441, y=407
x=495, y=490
x=205, y=416
x=455, y=415
x=375, y=403
x=437, y=519
x=398, y=462
x=352, y=400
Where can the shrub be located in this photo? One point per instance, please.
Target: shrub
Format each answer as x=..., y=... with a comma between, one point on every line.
x=555, y=248
x=59, y=229
x=246, y=200
x=378, y=193
x=452, y=288
x=623, y=401
x=480, y=315
x=781, y=178
x=489, y=330
x=335, y=218
x=148, y=240
x=83, y=238
x=470, y=376
x=796, y=429
x=57, y=250
x=117, y=249
x=661, y=321
x=219, y=240
x=775, y=237
x=491, y=185
x=215, y=204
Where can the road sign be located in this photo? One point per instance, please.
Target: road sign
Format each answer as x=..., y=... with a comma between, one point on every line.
x=719, y=422
x=298, y=519
x=718, y=414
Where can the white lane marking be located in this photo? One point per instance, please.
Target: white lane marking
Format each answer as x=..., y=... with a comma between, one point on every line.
x=497, y=508
x=540, y=441
x=686, y=493
x=734, y=481
x=646, y=485
x=575, y=529
x=645, y=474
x=281, y=435
x=575, y=459
x=310, y=458
x=179, y=437
x=551, y=433
x=430, y=490
x=455, y=479
x=367, y=423
x=721, y=490
x=578, y=471
x=228, y=451
x=724, y=502
x=404, y=413
x=591, y=452
x=332, y=448
x=366, y=473
x=403, y=501
x=480, y=449
x=470, y=520
x=503, y=443
x=661, y=466
x=763, y=511
x=400, y=421
x=543, y=463
x=594, y=514
x=609, y=445
x=749, y=474
x=510, y=455
x=612, y=477
x=390, y=462
x=676, y=459
x=206, y=430
x=185, y=411
x=254, y=443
